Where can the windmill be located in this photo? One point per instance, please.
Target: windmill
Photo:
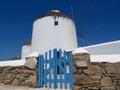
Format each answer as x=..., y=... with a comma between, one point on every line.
x=78, y=21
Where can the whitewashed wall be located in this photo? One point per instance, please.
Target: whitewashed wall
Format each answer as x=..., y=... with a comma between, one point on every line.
x=26, y=50
x=47, y=36
x=104, y=48
x=12, y=63
x=105, y=58
x=105, y=52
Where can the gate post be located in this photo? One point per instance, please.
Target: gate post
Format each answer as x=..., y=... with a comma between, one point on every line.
x=71, y=71
x=40, y=71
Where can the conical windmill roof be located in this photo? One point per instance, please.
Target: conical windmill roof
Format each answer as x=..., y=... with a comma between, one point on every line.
x=55, y=13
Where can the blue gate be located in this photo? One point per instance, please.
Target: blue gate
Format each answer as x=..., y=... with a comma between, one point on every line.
x=55, y=70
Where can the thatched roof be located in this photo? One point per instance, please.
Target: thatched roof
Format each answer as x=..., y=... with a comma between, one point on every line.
x=28, y=43
x=55, y=13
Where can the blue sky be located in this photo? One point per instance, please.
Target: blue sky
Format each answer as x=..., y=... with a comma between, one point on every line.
x=17, y=16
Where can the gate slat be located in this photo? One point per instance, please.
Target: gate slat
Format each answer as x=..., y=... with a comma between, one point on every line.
x=41, y=67
x=45, y=75
x=55, y=67
x=60, y=67
x=50, y=64
x=65, y=80
x=39, y=72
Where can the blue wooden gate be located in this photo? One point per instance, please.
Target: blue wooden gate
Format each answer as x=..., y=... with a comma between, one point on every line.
x=55, y=68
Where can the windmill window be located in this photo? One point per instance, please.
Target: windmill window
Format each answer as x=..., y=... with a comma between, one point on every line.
x=55, y=23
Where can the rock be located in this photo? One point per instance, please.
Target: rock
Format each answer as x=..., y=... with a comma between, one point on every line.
x=4, y=72
x=118, y=87
x=31, y=63
x=112, y=68
x=106, y=81
x=17, y=71
x=32, y=79
x=21, y=77
x=82, y=80
x=79, y=71
x=118, y=82
x=15, y=82
x=108, y=88
x=9, y=75
x=77, y=88
x=94, y=88
x=81, y=57
x=103, y=71
x=81, y=64
x=74, y=69
x=26, y=71
x=116, y=77
x=17, y=76
x=96, y=82
x=117, y=66
x=1, y=80
x=1, y=69
x=93, y=70
x=6, y=82
x=96, y=77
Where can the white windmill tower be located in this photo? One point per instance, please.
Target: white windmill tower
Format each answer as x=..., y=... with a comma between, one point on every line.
x=53, y=30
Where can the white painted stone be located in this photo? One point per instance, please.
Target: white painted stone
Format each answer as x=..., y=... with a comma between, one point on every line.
x=31, y=63
x=79, y=50
x=81, y=63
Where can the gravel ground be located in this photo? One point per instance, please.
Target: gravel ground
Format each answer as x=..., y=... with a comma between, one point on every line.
x=5, y=87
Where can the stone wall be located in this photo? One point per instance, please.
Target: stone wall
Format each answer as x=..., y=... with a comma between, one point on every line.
x=18, y=76
x=87, y=75
x=95, y=76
